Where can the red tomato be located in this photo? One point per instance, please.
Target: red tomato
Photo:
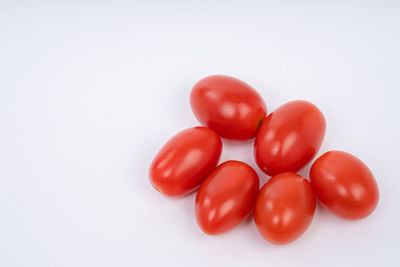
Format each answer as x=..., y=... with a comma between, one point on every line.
x=284, y=208
x=289, y=137
x=344, y=185
x=226, y=197
x=185, y=161
x=228, y=106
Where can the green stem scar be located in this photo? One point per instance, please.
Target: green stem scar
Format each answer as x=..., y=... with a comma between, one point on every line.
x=259, y=123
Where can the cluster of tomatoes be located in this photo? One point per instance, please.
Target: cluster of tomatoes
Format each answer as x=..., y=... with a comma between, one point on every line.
x=285, y=141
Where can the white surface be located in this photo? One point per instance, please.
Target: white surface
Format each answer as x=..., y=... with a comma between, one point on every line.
x=89, y=93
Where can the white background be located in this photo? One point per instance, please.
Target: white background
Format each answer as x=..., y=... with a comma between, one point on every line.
x=90, y=91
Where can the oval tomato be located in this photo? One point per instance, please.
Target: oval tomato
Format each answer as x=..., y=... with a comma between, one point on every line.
x=344, y=185
x=228, y=106
x=185, y=161
x=289, y=137
x=284, y=208
x=226, y=197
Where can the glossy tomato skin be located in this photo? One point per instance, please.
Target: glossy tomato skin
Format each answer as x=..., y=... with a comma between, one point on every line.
x=289, y=137
x=226, y=197
x=344, y=185
x=229, y=106
x=284, y=208
x=185, y=161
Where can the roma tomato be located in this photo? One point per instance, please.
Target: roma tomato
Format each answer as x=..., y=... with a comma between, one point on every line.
x=228, y=106
x=344, y=185
x=284, y=208
x=185, y=161
x=226, y=197
x=289, y=137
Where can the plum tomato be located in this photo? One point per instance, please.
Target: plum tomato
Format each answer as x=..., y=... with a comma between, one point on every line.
x=228, y=106
x=226, y=197
x=289, y=137
x=185, y=161
x=344, y=185
x=284, y=208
